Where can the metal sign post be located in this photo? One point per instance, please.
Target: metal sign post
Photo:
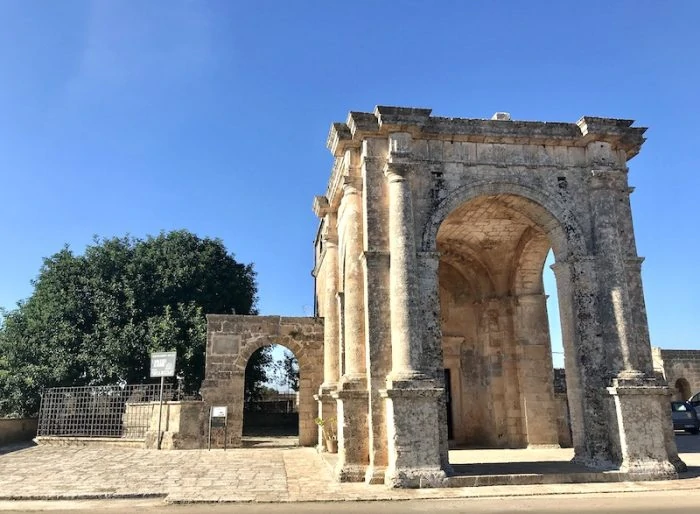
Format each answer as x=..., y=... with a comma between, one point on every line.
x=162, y=365
x=218, y=417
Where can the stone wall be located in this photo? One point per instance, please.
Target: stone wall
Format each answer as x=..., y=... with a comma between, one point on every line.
x=232, y=339
x=681, y=369
x=13, y=430
x=180, y=424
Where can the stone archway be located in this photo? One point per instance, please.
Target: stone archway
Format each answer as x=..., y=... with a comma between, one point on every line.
x=398, y=174
x=495, y=334
x=682, y=387
x=232, y=339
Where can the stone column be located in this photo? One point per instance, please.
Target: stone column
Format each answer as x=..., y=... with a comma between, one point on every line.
x=352, y=395
x=405, y=340
x=432, y=354
x=536, y=371
x=412, y=399
x=378, y=346
x=638, y=436
x=331, y=345
x=614, y=304
x=351, y=205
x=584, y=361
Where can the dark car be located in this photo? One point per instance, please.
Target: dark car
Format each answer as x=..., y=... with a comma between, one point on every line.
x=695, y=402
x=685, y=417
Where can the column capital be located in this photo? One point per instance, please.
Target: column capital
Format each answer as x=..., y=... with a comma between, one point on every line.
x=329, y=237
x=531, y=298
x=399, y=157
x=573, y=261
x=397, y=171
x=374, y=258
x=351, y=185
x=634, y=263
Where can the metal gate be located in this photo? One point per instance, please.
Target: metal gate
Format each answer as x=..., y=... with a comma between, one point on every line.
x=99, y=411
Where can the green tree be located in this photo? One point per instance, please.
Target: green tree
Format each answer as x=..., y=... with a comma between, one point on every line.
x=258, y=372
x=94, y=318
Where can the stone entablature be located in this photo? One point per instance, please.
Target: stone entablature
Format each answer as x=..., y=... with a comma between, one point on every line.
x=429, y=258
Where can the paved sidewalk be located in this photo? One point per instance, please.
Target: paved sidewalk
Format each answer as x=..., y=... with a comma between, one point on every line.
x=249, y=475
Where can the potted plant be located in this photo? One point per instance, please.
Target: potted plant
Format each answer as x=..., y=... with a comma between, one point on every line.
x=330, y=434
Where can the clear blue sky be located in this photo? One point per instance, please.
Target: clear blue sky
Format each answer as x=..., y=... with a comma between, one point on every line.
x=135, y=117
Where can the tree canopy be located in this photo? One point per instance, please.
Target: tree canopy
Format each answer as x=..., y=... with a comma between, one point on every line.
x=95, y=318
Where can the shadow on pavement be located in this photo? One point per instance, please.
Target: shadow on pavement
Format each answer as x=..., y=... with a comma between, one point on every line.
x=518, y=468
x=687, y=443
x=270, y=442
x=15, y=447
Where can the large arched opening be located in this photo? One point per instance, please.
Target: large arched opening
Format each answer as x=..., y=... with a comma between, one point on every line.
x=493, y=244
x=682, y=390
x=232, y=340
x=271, y=397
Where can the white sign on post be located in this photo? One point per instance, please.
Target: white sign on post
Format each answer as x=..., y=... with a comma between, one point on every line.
x=219, y=412
x=163, y=364
x=218, y=418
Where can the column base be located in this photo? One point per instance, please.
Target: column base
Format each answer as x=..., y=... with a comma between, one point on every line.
x=327, y=410
x=643, y=420
x=375, y=475
x=413, y=434
x=353, y=451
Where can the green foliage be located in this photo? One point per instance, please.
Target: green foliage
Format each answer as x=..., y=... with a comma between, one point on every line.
x=94, y=318
x=257, y=374
x=289, y=371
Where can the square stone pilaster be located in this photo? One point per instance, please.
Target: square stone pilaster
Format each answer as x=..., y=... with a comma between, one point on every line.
x=353, y=450
x=643, y=416
x=413, y=434
x=327, y=409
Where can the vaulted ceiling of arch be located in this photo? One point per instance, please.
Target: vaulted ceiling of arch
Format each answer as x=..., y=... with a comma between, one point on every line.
x=498, y=243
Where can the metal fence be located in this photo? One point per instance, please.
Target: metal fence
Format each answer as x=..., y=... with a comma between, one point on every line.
x=275, y=403
x=99, y=411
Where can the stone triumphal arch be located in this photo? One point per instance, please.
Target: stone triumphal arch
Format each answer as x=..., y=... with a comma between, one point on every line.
x=429, y=256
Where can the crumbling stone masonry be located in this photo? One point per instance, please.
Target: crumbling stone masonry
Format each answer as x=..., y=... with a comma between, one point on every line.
x=433, y=235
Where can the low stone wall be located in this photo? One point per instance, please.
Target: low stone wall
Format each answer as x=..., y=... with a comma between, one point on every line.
x=17, y=430
x=181, y=425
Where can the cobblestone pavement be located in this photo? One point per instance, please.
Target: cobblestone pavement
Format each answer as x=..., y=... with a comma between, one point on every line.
x=244, y=475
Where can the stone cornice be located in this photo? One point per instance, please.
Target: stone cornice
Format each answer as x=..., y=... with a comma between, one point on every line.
x=421, y=125
x=320, y=206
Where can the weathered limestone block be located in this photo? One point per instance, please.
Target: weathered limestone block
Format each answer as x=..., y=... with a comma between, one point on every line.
x=413, y=435
x=181, y=427
x=644, y=417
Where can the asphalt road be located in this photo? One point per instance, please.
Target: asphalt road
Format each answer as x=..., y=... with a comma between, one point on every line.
x=662, y=502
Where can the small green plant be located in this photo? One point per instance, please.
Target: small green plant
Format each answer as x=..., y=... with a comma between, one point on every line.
x=328, y=428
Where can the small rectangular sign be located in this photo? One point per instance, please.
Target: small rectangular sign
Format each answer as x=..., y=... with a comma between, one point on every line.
x=219, y=412
x=163, y=364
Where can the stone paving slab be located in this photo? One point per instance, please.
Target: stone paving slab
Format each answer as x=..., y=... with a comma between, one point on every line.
x=241, y=475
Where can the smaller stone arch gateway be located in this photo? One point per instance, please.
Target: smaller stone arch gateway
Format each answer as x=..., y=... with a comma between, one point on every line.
x=232, y=339
x=432, y=239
